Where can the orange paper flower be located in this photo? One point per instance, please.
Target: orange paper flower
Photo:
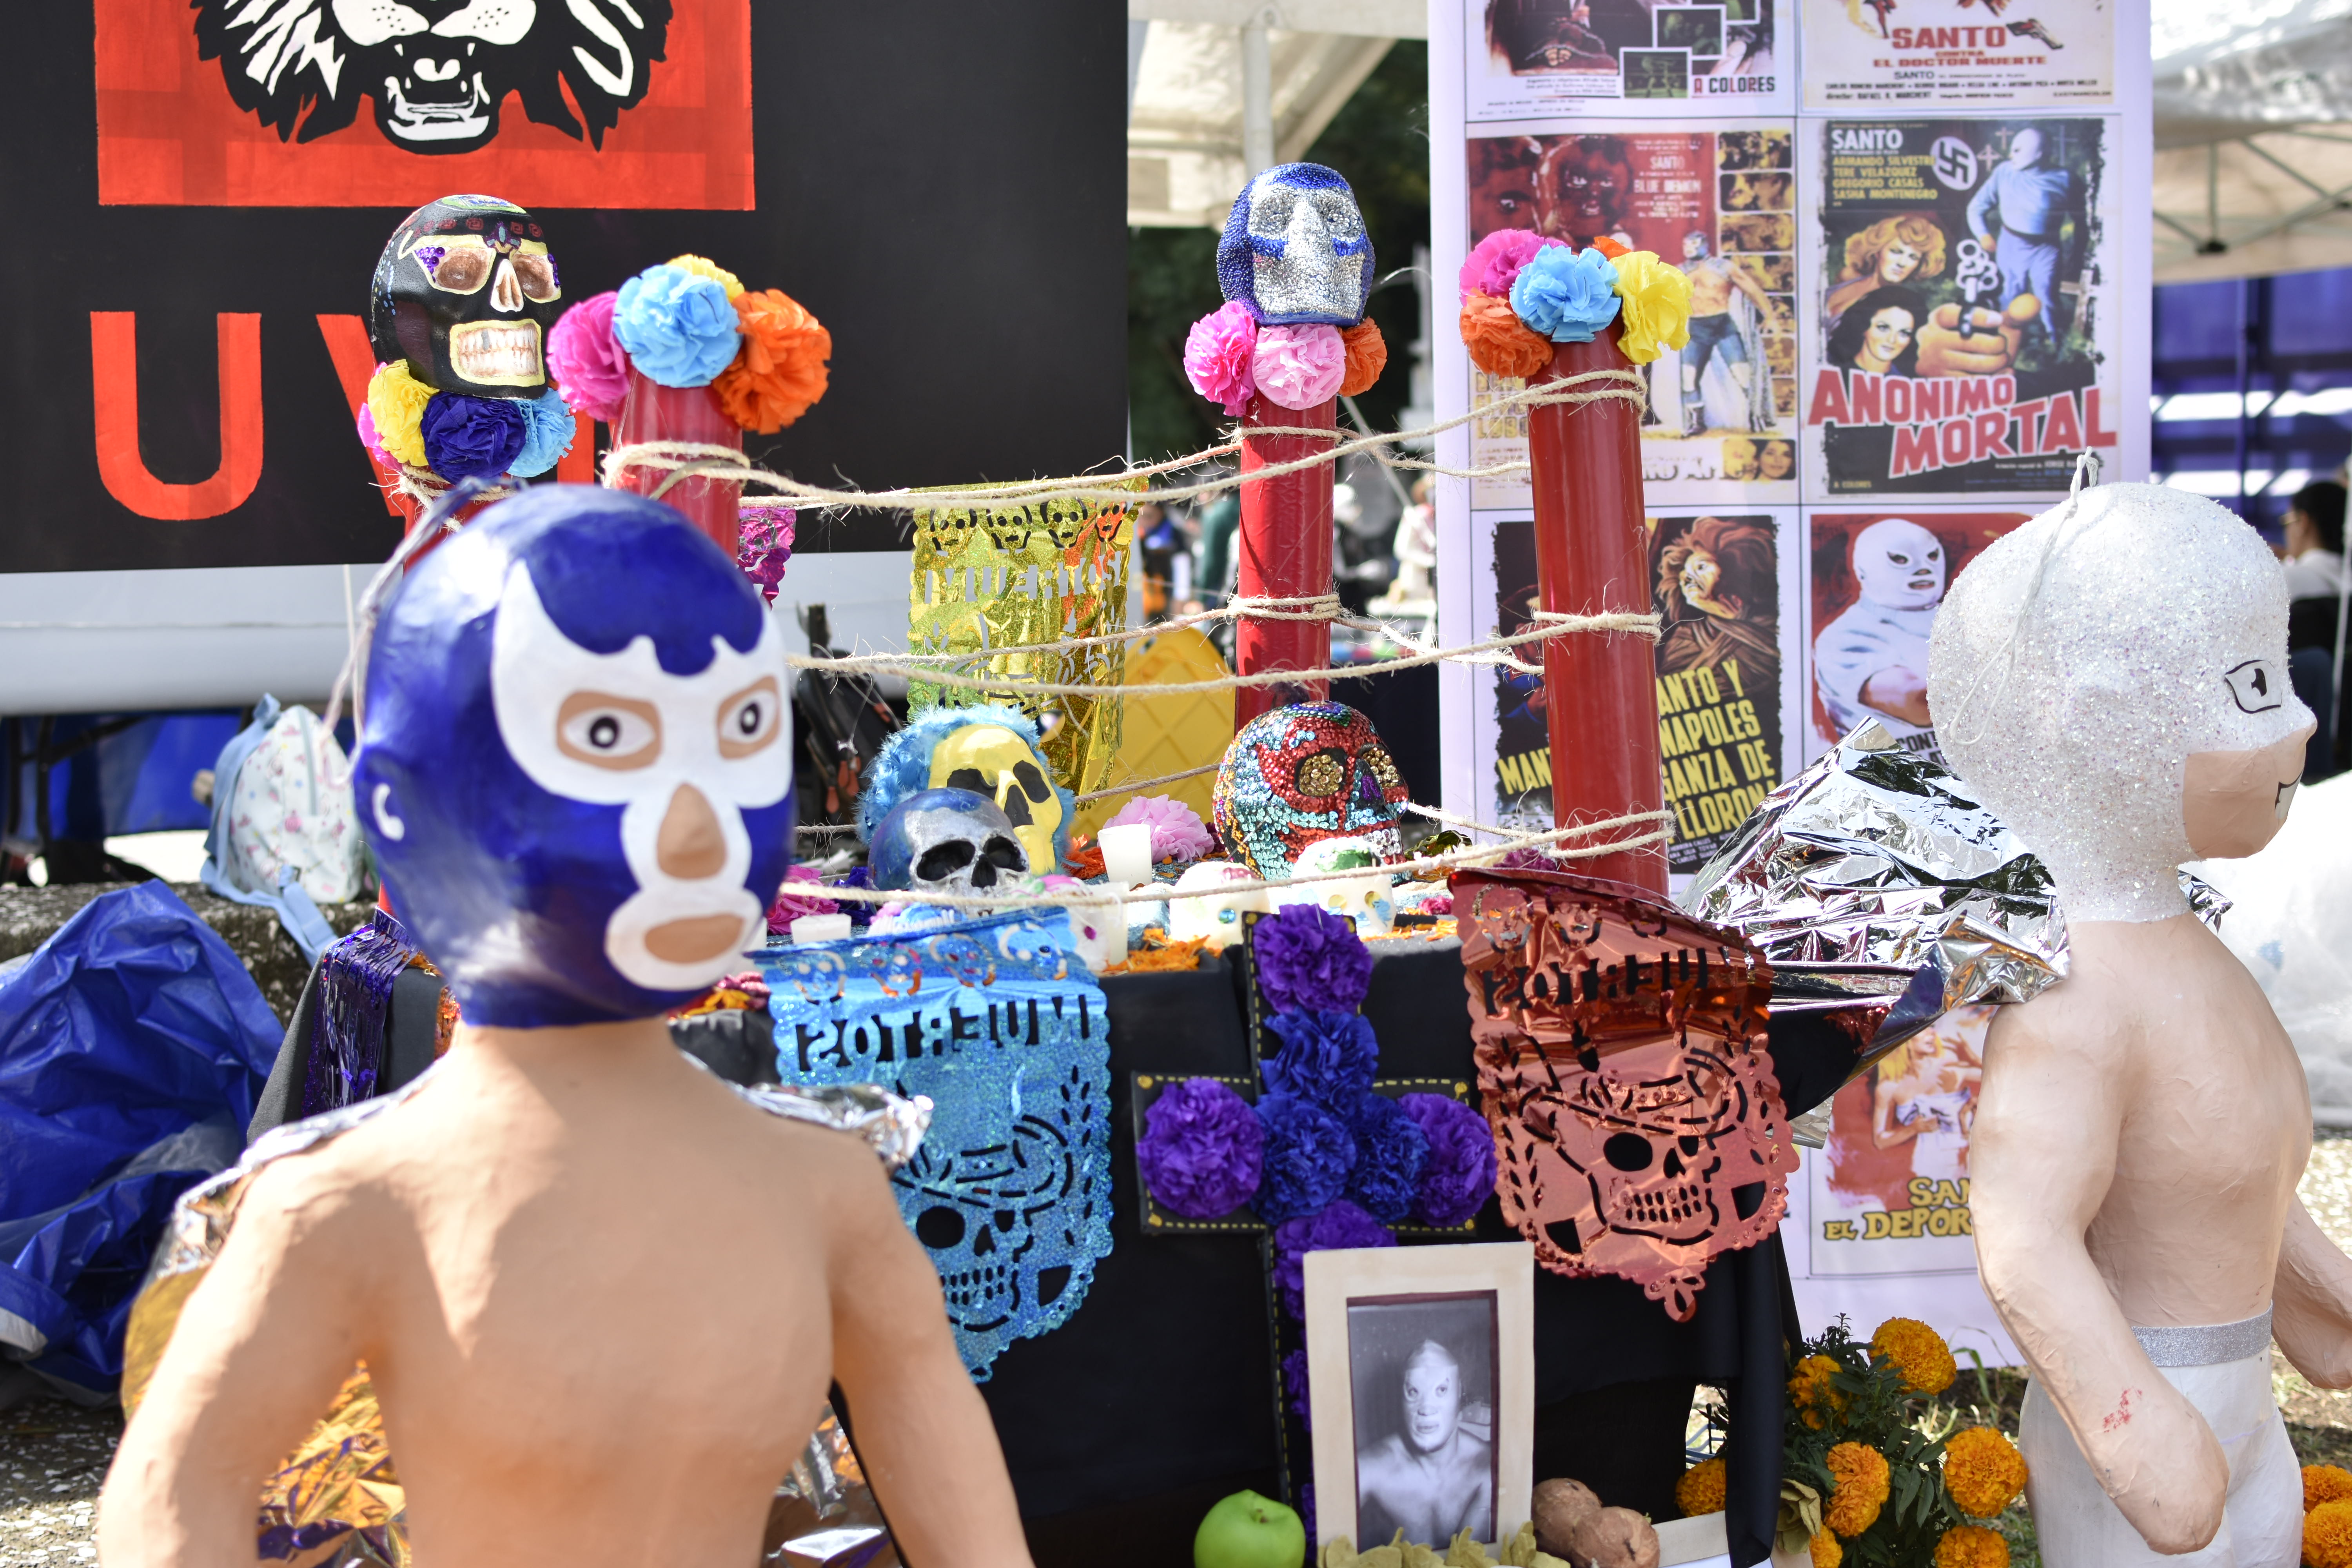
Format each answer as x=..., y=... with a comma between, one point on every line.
x=1610, y=247
x=2325, y=1483
x=780, y=370
x=1982, y=1471
x=1500, y=342
x=2327, y=1535
x=1368, y=356
x=1859, y=1482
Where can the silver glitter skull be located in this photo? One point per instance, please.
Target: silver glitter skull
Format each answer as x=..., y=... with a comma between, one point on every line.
x=946, y=841
x=1294, y=250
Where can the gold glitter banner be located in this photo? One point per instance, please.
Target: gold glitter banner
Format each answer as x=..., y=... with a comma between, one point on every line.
x=997, y=583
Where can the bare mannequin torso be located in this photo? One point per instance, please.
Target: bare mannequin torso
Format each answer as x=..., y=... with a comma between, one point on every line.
x=601, y=1298
x=2142, y=1129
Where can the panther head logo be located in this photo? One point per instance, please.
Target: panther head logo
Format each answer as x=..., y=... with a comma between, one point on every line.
x=438, y=69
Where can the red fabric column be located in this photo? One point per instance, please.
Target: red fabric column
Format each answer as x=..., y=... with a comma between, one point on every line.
x=1592, y=558
x=658, y=413
x=1284, y=552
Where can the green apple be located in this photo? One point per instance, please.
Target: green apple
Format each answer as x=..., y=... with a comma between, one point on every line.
x=1247, y=1530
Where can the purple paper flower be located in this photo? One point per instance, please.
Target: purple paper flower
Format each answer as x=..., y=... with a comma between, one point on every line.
x=1295, y=1385
x=1202, y=1151
x=1308, y=1156
x=1310, y=958
x=465, y=436
x=1328, y=1057
x=1176, y=831
x=587, y=361
x=1337, y=1226
x=792, y=903
x=1459, y=1173
x=1390, y=1150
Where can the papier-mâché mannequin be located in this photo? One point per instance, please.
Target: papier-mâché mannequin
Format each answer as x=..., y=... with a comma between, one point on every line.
x=600, y=1296
x=2111, y=680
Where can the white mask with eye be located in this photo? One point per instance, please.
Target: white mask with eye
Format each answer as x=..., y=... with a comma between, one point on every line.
x=682, y=755
x=1899, y=564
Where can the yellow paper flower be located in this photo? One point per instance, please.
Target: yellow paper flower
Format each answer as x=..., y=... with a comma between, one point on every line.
x=2325, y=1483
x=1701, y=1490
x=703, y=267
x=2327, y=1535
x=1918, y=1353
x=1983, y=1471
x=1828, y=1551
x=1971, y=1546
x=1858, y=1491
x=1656, y=315
x=397, y=401
x=1812, y=1392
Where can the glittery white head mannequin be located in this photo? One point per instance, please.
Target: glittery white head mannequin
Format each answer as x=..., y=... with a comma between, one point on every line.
x=1899, y=564
x=2130, y=710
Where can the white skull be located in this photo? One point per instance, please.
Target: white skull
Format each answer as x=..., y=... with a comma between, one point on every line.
x=1370, y=900
x=946, y=841
x=1215, y=916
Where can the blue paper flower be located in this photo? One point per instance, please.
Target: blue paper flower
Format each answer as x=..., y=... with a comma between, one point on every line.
x=679, y=329
x=1389, y=1153
x=1308, y=1156
x=547, y=434
x=1326, y=1056
x=465, y=436
x=1566, y=295
x=1338, y=1224
x=1459, y=1175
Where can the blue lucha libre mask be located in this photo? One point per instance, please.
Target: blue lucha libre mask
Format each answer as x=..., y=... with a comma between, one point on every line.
x=1294, y=250
x=575, y=761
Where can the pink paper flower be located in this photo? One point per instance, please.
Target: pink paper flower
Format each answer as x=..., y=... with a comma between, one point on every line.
x=1299, y=367
x=1176, y=831
x=587, y=361
x=1494, y=263
x=792, y=903
x=371, y=441
x=1217, y=353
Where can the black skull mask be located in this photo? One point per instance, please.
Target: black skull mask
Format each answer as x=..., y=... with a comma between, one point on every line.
x=465, y=291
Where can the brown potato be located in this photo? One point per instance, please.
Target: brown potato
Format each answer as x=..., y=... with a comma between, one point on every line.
x=1615, y=1538
x=1560, y=1507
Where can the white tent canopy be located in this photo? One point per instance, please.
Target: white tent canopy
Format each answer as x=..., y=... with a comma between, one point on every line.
x=2253, y=137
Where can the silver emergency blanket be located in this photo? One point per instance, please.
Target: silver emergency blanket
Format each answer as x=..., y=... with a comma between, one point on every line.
x=1881, y=894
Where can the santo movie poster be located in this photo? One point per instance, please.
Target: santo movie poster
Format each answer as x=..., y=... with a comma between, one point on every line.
x=1561, y=59
x=1962, y=335
x=1909, y=55
x=1720, y=203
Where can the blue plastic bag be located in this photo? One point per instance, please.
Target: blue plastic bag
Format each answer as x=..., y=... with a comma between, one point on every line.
x=133, y=1046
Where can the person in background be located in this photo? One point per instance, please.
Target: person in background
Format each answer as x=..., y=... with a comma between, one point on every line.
x=2314, y=541
x=1161, y=543
x=1219, y=520
x=2315, y=577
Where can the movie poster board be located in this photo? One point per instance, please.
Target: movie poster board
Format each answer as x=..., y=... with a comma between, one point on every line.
x=1565, y=58
x=1858, y=53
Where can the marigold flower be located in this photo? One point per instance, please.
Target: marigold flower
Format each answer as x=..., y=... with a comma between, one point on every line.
x=2327, y=1535
x=1918, y=1353
x=1859, y=1484
x=1983, y=1471
x=1498, y=342
x=1701, y=1488
x=2325, y=1483
x=1813, y=1394
x=1656, y=315
x=1971, y=1546
x=1828, y=1551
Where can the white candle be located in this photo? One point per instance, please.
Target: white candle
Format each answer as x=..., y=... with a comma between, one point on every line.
x=809, y=929
x=1127, y=852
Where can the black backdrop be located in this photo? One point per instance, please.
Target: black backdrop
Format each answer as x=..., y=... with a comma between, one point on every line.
x=942, y=183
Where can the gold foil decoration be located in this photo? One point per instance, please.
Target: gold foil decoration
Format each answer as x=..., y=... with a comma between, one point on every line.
x=998, y=583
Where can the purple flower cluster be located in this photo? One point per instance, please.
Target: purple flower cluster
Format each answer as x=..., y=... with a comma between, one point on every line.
x=1202, y=1151
x=1308, y=1153
x=1340, y=1225
x=1294, y=1384
x=1459, y=1172
x=466, y=437
x=1389, y=1153
x=1308, y=958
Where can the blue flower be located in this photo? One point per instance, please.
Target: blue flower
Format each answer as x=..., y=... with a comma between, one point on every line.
x=1308, y=1156
x=1566, y=295
x=680, y=329
x=547, y=434
x=1328, y=1057
x=1390, y=1153
x=468, y=437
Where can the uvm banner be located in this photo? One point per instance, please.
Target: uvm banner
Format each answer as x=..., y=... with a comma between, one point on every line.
x=201, y=191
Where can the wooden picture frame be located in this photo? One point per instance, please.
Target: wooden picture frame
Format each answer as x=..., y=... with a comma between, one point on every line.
x=1404, y=1346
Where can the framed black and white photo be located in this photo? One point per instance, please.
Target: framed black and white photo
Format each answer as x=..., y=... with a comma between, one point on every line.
x=1421, y=1365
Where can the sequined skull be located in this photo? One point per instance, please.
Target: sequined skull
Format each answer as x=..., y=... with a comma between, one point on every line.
x=465, y=291
x=1294, y=250
x=946, y=841
x=1300, y=774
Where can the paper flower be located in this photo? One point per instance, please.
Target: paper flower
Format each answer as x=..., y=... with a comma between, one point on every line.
x=1657, y=306
x=1983, y=1471
x=781, y=369
x=1858, y=1483
x=1498, y=342
x=1308, y=958
x=395, y=402
x=1299, y=367
x=1918, y=1353
x=2327, y=1535
x=1494, y=263
x=1295, y=1386
x=792, y=903
x=1308, y=1156
x=587, y=361
x=369, y=439
x=548, y=429
x=679, y=329
x=1566, y=295
x=1328, y=1055
x=1389, y=1153
x=1368, y=356
x=1203, y=1151
x=469, y=437
x=1974, y=1546
x=703, y=267
x=763, y=546
x=1701, y=1490
x=1338, y=1226
x=1218, y=355
x=1176, y=831
x=1459, y=1175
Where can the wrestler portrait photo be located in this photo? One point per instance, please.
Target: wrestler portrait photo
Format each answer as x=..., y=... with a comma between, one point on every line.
x=1424, y=1370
